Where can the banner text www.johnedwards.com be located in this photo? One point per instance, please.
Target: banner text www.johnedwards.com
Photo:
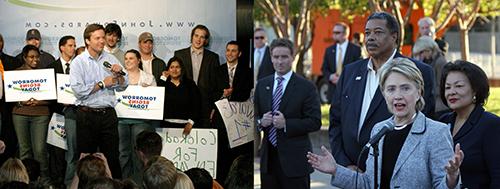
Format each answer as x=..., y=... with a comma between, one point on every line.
x=122, y=24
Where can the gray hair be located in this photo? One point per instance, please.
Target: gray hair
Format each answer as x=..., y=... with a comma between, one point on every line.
x=425, y=42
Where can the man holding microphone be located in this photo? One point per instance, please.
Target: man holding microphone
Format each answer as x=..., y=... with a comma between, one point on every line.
x=94, y=77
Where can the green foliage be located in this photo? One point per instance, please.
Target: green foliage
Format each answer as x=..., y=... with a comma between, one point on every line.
x=320, y=6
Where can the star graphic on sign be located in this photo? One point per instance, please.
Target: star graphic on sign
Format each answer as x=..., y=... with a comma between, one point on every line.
x=10, y=86
x=52, y=128
x=62, y=88
x=119, y=100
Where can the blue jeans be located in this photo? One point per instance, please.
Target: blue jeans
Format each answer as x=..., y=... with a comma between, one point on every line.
x=128, y=129
x=31, y=134
x=71, y=154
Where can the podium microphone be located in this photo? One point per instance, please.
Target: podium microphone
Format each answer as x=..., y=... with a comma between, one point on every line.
x=388, y=127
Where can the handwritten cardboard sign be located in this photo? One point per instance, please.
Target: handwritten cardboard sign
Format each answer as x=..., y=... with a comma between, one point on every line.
x=198, y=149
x=239, y=121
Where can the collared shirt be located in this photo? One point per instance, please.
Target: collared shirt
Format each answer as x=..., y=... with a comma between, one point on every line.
x=371, y=88
x=86, y=72
x=196, y=58
x=231, y=74
x=258, y=55
x=286, y=79
x=63, y=62
x=117, y=52
x=344, y=49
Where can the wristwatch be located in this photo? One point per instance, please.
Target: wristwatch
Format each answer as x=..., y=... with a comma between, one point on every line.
x=100, y=84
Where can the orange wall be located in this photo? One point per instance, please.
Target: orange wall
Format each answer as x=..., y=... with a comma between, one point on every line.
x=323, y=33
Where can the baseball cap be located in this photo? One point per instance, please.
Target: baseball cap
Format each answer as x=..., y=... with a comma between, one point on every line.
x=145, y=36
x=33, y=33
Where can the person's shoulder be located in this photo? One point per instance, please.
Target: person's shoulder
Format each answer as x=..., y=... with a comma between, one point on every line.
x=491, y=118
x=182, y=50
x=55, y=63
x=210, y=53
x=354, y=46
x=356, y=65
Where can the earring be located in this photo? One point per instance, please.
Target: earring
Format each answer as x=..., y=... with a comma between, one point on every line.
x=474, y=99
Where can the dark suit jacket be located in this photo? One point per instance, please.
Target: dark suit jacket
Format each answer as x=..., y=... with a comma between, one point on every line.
x=479, y=138
x=345, y=112
x=206, y=78
x=158, y=66
x=352, y=54
x=58, y=68
x=242, y=83
x=301, y=108
x=9, y=62
x=266, y=66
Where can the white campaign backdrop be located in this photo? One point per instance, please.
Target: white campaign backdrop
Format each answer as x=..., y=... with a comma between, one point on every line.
x=170, y=22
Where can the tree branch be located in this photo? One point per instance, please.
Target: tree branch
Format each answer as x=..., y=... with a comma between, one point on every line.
x=472, y=17
x=436, y=9
x=448, y=16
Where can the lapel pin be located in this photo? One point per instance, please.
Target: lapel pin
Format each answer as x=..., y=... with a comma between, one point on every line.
x=268, y=88
x=358, y=78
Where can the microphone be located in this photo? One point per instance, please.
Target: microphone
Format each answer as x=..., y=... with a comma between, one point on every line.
x=108, y=65
x=388, y=127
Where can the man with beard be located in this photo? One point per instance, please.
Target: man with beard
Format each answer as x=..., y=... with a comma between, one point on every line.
x=360, y=104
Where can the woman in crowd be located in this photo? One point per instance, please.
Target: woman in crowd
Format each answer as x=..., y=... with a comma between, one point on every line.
x=182, y=98
x=465, y=89
x=416, y=153
x=427, y=50
x=129, y=128
x=31, y=119
x=13, y=170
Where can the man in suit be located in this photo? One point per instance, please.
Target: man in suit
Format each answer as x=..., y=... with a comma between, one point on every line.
x=338, y=55
x=234, y=82
x=200, y=65
x=34, y=38
x=67, y=46
x=287, y=109
x=360, y=104
x=262, y=65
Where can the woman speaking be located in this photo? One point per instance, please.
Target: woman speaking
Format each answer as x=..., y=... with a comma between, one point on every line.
x=418, y=153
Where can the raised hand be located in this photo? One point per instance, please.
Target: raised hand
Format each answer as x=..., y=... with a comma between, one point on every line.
x=453, y=167
x=324, y=163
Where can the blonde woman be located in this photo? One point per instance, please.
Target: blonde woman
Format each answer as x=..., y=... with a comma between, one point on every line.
x=418, y=153
x=13, y=170
x=183, y=181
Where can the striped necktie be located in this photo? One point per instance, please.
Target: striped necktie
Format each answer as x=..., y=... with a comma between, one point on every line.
x=272, y=136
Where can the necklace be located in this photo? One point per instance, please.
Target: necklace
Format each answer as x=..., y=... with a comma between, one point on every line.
x=401, y=127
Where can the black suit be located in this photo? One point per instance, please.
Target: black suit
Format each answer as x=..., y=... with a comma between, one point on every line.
x=285, y=166
x=266, y=66
x=345, y=112
x=57, y=161
x=7, y=129
x=206, y=78
x=352, y=54
x=242, y=85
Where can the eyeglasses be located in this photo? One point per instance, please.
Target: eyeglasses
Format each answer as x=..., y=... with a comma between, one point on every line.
x=33, y=57
x=259, y=37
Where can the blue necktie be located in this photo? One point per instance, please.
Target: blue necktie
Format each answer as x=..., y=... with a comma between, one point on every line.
x=272, y=136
